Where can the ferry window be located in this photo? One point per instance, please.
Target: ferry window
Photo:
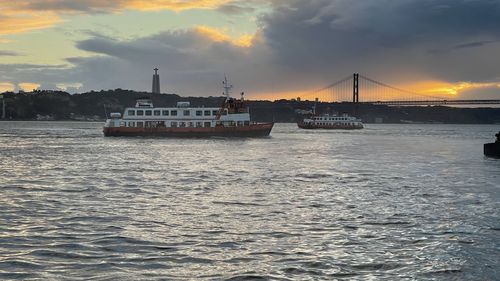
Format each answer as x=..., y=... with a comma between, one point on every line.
x=224, y=112
x=214, y=112
x=131, y=112
x=165, y=113
x=187, y=113
x=208, y=124
x=199, y=112
x=140, y=112
x=199, y=124
x=148, y=113
x=183, y=124
x=122, y=124
x=247, y=123
x=174, y=113
x=207, y=112
x=190, y=124
x=173, y=125
x=157, y=113
x=140, y=124
x=240, y=123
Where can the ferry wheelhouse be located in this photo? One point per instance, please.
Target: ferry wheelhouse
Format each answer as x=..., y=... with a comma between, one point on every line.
x=331, y=122
x=232, y=119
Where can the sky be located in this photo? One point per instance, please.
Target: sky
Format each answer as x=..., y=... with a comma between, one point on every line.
x=268, y=48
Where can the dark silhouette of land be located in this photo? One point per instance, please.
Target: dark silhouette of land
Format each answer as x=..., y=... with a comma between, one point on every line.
x=59, y=105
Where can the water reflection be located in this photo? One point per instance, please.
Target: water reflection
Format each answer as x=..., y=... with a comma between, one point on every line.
x=387, y=202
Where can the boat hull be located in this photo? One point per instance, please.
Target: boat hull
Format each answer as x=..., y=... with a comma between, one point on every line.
x=492, y=149
x=328, y=127
x=254, y=130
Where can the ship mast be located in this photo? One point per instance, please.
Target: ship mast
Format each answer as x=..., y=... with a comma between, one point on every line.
x=227, y=90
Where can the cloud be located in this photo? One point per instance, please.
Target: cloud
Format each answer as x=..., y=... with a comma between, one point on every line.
x=476, y=44
x=11, y=23
x=28, y=86
x=386, y=39
x=443, y=88
x=235, y=8
x=299, y=46
x=217, y=35
x=200, y=54
x=96, y=6
x=6, y=86
x=15, y=74
x=27, y=15
x=71, y=87
x=472, y=45
x=9, y=53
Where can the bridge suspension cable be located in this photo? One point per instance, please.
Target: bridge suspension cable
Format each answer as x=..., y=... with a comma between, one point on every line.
x=359, y=88
x=391, y=92
x=339, y=91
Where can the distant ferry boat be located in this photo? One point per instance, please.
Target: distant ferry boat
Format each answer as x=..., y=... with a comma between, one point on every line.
x=326, y=121
x=232, y=119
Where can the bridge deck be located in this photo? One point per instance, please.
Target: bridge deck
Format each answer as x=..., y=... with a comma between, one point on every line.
x=433, y=102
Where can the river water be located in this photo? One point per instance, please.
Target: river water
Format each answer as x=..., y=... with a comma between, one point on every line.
x=390, y=202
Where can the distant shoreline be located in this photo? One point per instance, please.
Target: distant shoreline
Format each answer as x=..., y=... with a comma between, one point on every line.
x=93, y=107
x=281, y=122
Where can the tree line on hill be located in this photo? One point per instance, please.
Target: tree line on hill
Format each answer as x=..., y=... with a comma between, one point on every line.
x=94, y=105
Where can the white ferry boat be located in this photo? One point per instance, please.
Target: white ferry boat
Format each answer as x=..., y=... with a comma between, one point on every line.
x=326, y=121
x=232, y=119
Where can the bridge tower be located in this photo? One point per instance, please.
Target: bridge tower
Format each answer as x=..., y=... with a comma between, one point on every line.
x=355, y=88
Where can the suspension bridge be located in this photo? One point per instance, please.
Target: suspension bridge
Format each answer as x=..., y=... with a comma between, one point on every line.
x=358, y=88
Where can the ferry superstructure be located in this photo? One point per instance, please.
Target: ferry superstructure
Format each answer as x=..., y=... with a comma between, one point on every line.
x=326, y=121
x=232, y=119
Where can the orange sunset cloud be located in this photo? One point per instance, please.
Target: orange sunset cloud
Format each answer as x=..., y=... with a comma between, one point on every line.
x=219, y=36
x=24, y=15
x=442, y=88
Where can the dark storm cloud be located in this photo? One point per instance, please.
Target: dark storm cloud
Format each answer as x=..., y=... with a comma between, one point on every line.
x=462, y=46
x=302, y=45
x=472, y=45
x=381, y=34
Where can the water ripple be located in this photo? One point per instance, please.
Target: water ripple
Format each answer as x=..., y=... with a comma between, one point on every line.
x=390, y=202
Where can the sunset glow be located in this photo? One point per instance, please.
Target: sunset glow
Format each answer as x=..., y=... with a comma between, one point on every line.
x=442, y=88
x=28, y=87
x=4, y=87
x=219, y=36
